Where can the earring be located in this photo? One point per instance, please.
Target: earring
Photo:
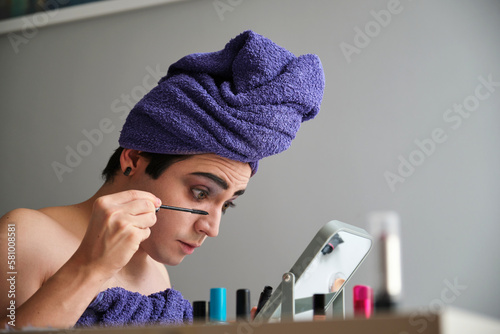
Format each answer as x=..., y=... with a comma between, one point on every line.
x=127, y=171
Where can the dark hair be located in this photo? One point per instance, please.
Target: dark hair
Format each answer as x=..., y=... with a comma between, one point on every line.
x=158, y=163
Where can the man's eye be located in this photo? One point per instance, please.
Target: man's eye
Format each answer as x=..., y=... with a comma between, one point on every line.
x=200, y=194
x=227, y=205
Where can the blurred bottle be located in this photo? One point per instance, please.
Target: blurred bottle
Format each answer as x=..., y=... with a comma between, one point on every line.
x=385, y=229
x=201, y=309
x=362, y=301
x=319, y=307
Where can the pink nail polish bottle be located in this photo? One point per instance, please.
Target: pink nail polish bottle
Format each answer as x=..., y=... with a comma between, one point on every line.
x=363, y=301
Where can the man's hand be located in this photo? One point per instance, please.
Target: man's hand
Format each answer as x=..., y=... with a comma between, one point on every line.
x=119, y=223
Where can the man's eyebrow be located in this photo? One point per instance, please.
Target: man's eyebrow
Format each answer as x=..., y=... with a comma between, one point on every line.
x=239, y=192
x=222, y=183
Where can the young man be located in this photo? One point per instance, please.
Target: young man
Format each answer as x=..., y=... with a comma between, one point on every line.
x=194, y=141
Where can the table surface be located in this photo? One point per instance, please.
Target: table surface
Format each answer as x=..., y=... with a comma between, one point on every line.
x=448, y=321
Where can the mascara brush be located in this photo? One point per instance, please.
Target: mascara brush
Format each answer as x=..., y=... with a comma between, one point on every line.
x=168, y=207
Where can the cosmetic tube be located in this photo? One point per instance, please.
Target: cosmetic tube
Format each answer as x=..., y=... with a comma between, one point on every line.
x=385, y=228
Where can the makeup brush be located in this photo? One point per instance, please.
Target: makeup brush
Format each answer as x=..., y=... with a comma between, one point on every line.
x=198, y=212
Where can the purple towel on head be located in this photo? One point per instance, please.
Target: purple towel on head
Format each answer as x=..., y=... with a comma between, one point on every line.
x=245, y=102
x=119, y=307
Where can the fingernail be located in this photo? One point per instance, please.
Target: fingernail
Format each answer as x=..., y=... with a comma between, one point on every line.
x=158, y=201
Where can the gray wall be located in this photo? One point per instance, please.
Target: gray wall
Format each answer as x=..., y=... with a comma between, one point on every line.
x=397, y=89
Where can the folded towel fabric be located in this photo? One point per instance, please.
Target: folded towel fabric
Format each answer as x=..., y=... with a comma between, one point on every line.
x=120, y=307
x=245, y=102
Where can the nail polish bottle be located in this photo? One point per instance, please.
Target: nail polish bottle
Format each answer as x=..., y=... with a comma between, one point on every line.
x=243, y=305
x=218, y=311
x=362, y=301
x=319, y=307
x=200, y=311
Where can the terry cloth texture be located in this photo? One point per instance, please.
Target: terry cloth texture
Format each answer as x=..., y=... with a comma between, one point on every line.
x=120, y=307
x=245, y=102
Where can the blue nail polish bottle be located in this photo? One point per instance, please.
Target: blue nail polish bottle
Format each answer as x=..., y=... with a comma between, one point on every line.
x=218, y=310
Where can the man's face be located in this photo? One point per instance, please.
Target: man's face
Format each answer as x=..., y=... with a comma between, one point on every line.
x=206, y=182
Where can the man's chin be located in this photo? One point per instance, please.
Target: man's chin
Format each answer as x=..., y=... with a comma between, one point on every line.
x=168, y=261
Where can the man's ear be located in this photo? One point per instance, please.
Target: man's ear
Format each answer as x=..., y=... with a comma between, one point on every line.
x=129, y=161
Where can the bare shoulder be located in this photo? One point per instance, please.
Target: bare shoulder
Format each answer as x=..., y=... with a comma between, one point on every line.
x=39, y=233
x=38, y=247
x=26, y=222
x=20, y=215
x=32, y=227
x=36, y=237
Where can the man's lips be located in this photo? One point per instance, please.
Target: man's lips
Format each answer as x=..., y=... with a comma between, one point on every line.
x=188, y=247
x=192, y=244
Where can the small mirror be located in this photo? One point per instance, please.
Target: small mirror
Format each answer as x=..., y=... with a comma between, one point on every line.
x=328, y=262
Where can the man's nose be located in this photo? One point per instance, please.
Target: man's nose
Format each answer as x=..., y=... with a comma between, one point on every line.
x=210, y=223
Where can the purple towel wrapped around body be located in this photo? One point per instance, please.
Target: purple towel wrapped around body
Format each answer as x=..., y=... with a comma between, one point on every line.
x=244, y=102
x=120, y=307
